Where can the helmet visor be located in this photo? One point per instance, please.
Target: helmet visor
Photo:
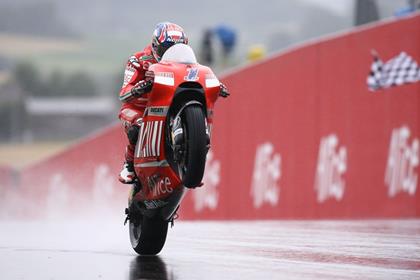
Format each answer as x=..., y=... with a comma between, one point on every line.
x=161, y=49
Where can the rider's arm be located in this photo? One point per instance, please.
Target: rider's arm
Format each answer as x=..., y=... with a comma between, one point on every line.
x=133, y=74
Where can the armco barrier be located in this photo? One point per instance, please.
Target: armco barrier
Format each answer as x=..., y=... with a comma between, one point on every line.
x=300, y=137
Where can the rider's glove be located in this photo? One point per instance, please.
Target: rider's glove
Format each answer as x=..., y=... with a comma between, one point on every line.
x=223, y=91
x=141, y=88
x=134, y=61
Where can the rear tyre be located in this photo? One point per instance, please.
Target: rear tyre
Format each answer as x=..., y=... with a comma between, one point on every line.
x=148, y=235
x=195, y=146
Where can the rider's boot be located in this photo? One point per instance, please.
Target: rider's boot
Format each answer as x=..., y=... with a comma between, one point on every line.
x=127, y=174
x=131, y=209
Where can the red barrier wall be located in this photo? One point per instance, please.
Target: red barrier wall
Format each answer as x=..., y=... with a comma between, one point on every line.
x=79, y=180
x=300, y=137
x=7, y=176
x=8, y=180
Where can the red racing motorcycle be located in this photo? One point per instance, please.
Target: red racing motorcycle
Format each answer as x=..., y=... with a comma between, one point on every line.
x=173, y=141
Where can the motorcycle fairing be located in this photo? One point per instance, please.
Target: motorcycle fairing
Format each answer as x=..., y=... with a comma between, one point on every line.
x=171, y=86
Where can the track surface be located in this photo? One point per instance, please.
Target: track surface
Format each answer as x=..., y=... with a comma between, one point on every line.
x=214, y=250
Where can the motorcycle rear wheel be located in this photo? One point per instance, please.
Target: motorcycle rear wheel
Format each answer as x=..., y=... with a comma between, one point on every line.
x=148, y=235
x=195, y=146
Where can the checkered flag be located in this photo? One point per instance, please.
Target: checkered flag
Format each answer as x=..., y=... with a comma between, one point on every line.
x=399, y=70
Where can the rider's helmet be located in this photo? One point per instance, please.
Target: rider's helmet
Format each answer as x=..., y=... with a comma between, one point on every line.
x=166, y=34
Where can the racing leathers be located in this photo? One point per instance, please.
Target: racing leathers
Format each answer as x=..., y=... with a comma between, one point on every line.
x=134, y=96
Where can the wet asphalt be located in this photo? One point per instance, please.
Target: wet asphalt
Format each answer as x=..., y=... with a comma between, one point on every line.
x=100, y=249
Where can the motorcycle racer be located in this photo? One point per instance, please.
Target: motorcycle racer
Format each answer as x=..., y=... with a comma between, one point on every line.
x=137, y=83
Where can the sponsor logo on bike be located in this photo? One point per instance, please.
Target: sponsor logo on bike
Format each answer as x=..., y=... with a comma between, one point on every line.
x=332, y=164
x=164, y=74
x=212, y=81
x=156, y=110
x=403, y=160
x=164, y=78
x=192, y=75
x=208, y=195
x=159, y=111
x=149, y=141
x=153, y=204
x=159, y=186
x=267, y=172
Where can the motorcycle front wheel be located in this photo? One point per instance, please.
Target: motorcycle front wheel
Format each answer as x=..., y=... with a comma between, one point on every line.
x=148, y=235
x=195, y=143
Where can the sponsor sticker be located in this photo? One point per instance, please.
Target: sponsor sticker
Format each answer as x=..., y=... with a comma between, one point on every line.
x=150, y=138
x=153, y=204
x=128, y=74
x=164, y=78
x=159, y=186
x=103, y=184
x=403, y=160
x=159, y=111
x=265, y=178
x=192, y=75
x=332, y=164
x=208, y=195
x=58, y=196
x=212, y=81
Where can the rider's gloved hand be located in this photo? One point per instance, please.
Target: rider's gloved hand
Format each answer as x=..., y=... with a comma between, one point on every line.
x=134, y=61
x=141, y=88
x=223, y=91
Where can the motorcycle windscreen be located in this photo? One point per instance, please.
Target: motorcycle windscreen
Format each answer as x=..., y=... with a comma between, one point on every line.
x=179, y=53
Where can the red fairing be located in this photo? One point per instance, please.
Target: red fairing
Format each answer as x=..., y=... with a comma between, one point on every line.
x=157, y=178
x=163, y=94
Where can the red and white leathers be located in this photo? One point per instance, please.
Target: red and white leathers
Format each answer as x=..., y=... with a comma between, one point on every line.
x=133, y=107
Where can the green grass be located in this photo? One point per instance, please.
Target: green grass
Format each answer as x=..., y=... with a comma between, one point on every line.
x=99, y=57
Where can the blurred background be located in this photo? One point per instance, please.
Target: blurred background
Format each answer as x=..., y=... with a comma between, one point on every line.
x=61, y=68
x=61, y=62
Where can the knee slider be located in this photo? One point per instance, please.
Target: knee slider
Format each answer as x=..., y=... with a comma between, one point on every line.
x=133, y=134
